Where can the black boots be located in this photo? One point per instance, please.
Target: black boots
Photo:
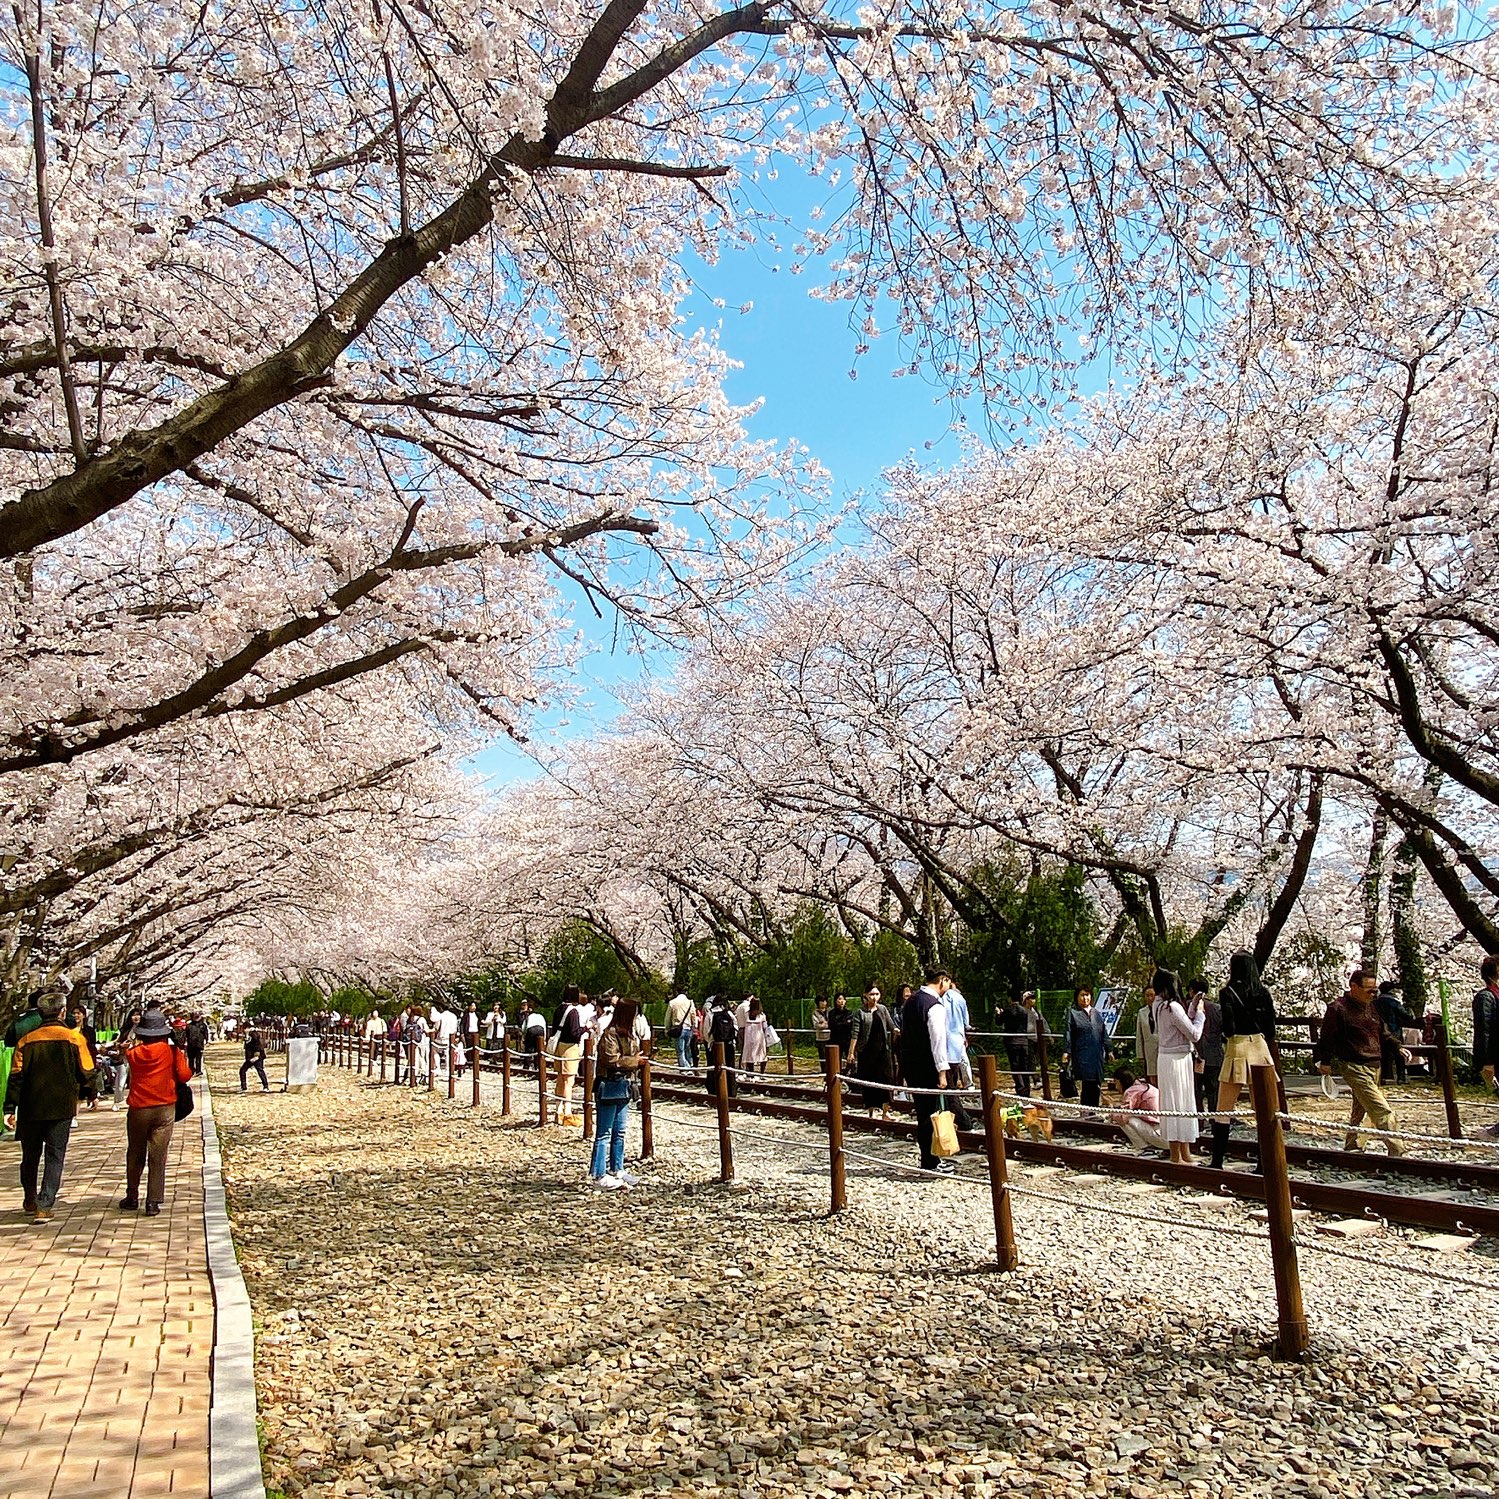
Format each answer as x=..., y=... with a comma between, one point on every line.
x=1220, y=1143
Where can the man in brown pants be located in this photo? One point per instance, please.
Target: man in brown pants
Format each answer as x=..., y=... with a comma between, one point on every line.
x=1351, y=1039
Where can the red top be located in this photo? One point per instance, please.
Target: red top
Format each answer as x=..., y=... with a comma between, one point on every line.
x=156, y=1067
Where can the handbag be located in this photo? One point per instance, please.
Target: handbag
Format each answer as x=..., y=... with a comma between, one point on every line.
x=612, y=1089
x=1066, y=1082
x=184, y=1100
x=944, y=1132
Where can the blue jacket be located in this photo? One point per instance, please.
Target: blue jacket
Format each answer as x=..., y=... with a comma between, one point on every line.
x=1087, y=1040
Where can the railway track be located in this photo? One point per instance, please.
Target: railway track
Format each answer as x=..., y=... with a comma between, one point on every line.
x=1345, y=1200
x=1470, y=1172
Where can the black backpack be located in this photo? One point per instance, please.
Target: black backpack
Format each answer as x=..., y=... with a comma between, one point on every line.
x=723, y=1027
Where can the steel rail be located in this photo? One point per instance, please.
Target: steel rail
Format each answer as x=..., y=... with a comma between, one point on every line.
x=1319, y=1197
x=1466, y=1172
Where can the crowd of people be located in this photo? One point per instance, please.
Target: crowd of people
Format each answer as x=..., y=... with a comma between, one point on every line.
x=1192, y=1056
x=1193, y=1053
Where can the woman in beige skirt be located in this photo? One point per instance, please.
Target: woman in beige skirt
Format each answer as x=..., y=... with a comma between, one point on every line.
x=1248, y=1024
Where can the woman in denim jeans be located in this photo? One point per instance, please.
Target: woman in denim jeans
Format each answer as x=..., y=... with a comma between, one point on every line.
x=618, y=1061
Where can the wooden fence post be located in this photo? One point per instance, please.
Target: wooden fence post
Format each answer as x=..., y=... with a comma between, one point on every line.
x=834, y=1086
x=647, y=1122
x=1292, y=1338
x=541, y=1075
x=505, y=1075
x=588, y=1087
x=1444, y=1076
x=382, y=1059
x=721, y=1089
x=994, y=1149
x=790, y=1054
x=1044, y=1065
x=452, y=1067
x=477, y=1057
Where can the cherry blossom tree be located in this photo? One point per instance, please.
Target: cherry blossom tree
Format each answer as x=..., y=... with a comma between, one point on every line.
x=336, y=342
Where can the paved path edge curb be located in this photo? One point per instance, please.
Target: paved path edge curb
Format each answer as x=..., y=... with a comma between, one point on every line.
x=233, y=1439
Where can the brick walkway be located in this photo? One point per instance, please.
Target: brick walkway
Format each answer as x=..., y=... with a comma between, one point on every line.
x=108, y=1328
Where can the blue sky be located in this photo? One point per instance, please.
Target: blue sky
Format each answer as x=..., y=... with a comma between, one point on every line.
x=796, y=353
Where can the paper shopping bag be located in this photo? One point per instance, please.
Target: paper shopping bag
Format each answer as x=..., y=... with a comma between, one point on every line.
x=944, y=1134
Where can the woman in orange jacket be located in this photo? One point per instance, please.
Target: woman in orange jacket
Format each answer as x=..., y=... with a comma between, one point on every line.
x=156, y=1067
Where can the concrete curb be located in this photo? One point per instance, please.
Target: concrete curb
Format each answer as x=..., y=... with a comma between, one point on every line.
x=233, y=1440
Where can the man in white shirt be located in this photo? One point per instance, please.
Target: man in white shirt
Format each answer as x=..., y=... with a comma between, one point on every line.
x=533, y=1027
x=923, y=1046
x=444, y=1031
x=678, y=1028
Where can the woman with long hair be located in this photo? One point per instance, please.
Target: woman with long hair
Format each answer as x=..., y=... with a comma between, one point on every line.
x=1178, y=1028
x=567, y=1046
x=617, y=1062
x=755, y=1042
x=121, y=1059
x=1248, y=1015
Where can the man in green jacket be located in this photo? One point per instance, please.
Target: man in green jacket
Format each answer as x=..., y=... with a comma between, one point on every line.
x=51, y=1071
x=23, y=1025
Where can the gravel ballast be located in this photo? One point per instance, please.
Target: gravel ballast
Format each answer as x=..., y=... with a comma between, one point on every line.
x=443, y=1307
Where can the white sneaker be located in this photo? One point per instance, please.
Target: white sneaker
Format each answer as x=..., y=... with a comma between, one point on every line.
x=614, y=1183
x=629, y=1178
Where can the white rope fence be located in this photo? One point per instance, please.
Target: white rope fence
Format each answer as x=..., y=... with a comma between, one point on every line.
x=1320, y=1246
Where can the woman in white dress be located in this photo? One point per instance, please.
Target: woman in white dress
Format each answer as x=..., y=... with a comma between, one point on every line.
x=755, y=1042
x=1178, y=1029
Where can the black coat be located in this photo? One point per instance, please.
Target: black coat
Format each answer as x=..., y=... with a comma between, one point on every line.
x=1485, y=1031
x=918, y=1066
x=840, y=1028
x=1015, y=1023
x=1247, y=1015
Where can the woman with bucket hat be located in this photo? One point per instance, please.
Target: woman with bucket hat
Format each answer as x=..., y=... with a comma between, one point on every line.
x=156, y=1067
